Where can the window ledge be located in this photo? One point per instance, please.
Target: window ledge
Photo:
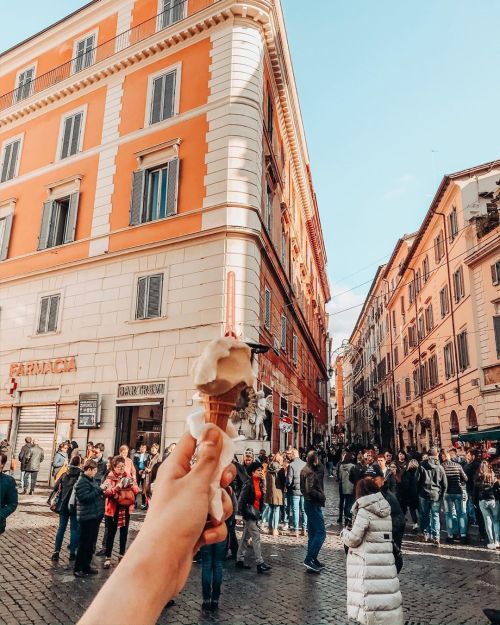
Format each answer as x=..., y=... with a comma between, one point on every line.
x=149, y=320
x=44, y=334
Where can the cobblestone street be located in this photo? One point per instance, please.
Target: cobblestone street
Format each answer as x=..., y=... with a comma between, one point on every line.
x=449, y=586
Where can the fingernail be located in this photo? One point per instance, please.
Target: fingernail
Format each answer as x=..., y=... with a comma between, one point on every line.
x=211, y=436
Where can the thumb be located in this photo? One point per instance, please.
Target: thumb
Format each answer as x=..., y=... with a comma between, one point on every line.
x=209, y=454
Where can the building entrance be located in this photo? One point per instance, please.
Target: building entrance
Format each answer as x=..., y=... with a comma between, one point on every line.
x=138, y=424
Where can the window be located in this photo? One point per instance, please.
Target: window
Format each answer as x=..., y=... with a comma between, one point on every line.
x=496, y=328
x=149, y=292
x=453, y=223
x=424, y=377
x=411, y=292
x=463, y=351
x=429, y=318
x=405, y=345
x=418, y=282
x=412, y=336
x=10, y=160
x=396, y=357
x=449, y=361
x=439, y=247
x=444, y=301
x=283, y=332
x=458, y=284
x=268, y=219
x=394, y=323
x=295, y=349
x=71, y=142
x=283, y=249
x=171, y=11
x=433, y=371
x=162, y=97
x=398, y=395
x=58, y=221
x=267, y=308
x=154, y=193
x=84, y=53
x=416, y=382
x=270, y=116
x=24, y=87
x=403, y=313
x=49, y=309
x=421, y=327
x=425, y=269
x=495, y=272
x=5, y=227
x=407, y=389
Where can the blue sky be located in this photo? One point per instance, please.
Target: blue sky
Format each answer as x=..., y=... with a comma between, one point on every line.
x=393, y=95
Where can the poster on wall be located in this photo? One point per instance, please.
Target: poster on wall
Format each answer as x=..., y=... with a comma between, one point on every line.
x=88, y=411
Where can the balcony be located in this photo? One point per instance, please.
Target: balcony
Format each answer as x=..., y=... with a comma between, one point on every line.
x=80, y=65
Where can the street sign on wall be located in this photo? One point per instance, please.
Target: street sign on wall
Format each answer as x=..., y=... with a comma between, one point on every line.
x=88, y=411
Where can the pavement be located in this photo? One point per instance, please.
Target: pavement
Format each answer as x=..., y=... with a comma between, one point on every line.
x=445, y=586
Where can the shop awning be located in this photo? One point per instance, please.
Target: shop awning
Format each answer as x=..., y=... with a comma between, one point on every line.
x=491, y=434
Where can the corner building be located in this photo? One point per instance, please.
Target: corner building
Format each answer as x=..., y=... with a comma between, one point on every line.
x=155, y=193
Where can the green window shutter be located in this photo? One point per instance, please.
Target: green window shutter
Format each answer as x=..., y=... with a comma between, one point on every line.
x=172, y=189
x=156, y=101
x=72, y=217
x=14, y=155
x=496, y=326
x=154, y=296
x=141, y=298
x=6, y=162
x=43, y=239
x=4, y=243
x=168, y=95
x=137, y=199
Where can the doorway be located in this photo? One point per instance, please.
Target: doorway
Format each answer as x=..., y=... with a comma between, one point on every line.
x=138, y=424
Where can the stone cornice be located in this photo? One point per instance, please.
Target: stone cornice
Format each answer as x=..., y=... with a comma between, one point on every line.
x=482, y=251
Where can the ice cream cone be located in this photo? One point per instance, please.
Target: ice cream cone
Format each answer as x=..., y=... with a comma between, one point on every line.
x=218, y=408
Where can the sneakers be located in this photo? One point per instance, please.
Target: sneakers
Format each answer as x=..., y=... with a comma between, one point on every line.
x=491, y=546
x=263, y=568
x=312, y=566
x=241, y=565
x=55, y=556
x=101, y=552
x=318, y=563
x=107, y=564
x=79, y=574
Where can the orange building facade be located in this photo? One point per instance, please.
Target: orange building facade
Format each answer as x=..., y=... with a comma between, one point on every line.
x=155, y=193
x=425, y=351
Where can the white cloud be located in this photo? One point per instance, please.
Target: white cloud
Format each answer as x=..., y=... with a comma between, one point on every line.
x=342, y=323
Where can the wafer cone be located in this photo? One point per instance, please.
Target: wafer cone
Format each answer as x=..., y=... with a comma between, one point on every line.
x=219, y=407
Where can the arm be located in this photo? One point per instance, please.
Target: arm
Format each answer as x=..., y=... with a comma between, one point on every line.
x=290, y=475
x=10, y=504
x=355, y=536
x=463, y=476
x=444, y=482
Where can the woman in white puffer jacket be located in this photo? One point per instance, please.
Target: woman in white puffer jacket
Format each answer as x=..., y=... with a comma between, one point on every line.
x=373, y=595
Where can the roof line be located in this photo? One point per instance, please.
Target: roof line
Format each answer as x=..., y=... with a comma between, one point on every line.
x=367, y=299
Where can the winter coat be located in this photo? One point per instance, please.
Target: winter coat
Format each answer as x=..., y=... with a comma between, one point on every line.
x=431, y=480
x=8, y=498
x=346, y=486
x=373, y=595
x=89, y=499
x=36, y=459
x=360, y=470
x=390, y=484
x=137, y=458
x=407, y=492
x=293, y=476
x=247, y=496
x=25, y=455
x=111, y=492
x=102, y=469
x=311, y=484
x=65, y=484
x=60, y=459
x=483, y=491
x=275, y=484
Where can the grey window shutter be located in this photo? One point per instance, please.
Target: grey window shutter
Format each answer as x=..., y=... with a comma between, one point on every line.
x=168, y=95
x=53, y=310
x=80, y=50
x=496, y=326
x=44, y=309
x=177, y=10
x=14, y=155
x=137, y=199
x=172, y=188
x=154, y=296
x=156, y=103
x=72, y=216
x=43, y=239
x=68, y=125
x=75, y=137
x=494, y=278
x=141, y=298
x=6, y=162
x=4, y=243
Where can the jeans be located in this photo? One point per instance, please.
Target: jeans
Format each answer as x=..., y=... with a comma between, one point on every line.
x=296, y=507
x=212, y=571
x=348, y=504
x=274, y=516
x=316, y=529
x=329, y=469
x=455, y=514
x=250, y=530
x=74, y=532
x=285, y=510
x=31, y=476
x=471, y=511
x=112, y=526
x=429, y=517
x=88, y=535
x=266, y=512
x=491, y=515
x=341, y=504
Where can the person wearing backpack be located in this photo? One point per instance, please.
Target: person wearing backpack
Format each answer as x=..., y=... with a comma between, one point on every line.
x=59, y=502
x=89, y=512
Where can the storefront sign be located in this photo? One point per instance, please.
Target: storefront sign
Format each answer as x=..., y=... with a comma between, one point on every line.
x=88, y=411
x=152, y=389
x=40, y=367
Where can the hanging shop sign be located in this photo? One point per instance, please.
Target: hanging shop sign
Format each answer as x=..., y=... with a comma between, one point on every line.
x=88, y=411
x=148, y=389
x=41, y=367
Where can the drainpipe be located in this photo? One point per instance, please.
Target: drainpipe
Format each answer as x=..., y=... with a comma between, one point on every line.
x=419, y=349
x=392, y=370
x=455, y=344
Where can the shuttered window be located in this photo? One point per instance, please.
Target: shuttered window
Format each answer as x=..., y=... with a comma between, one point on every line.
x=463, y=351
x=449, y=361
x=439, y=247
x=283, y=332
x=24, y=84
x=163, y=97
x=84, y=53
x=496, y=327
x=172, y=11
x=5, y=227
x=429, y=318
x=444, y=301
x=458, y=284
x=453, y=223
x=433, y=371
x=295, y=349
x=495, y=273
x=149, y=296
x=10, y=160
x=154, y=193
x=49, y=310
x=407, y=389
x=267, y=308
x=71, y=135
x=59, y=221
x=268, y=218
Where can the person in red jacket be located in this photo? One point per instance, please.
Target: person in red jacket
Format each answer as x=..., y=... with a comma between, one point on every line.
x=120, y=489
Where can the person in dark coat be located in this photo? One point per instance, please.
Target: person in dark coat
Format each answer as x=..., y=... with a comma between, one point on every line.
x=24, y=456
x=32, y=468
x=311, y=486
x=408, y=492
x=63, y=490
x=367, y=467
x=8, y=494
x=89, y=511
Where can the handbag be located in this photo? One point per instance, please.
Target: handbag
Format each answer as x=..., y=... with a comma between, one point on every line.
x=125, y=497
x=251, y=512
x=54, y=499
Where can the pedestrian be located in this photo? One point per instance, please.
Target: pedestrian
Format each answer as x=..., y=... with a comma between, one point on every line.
x=470, y=469
x=373, y=594
x=366, y=468
x=347, y=487
x=8, y=494
x=311, y=486
x=341, y=491
x=232, y=540
x=242, y=475
x=486, y=494
x=250, y=505
x=408, y=493
x=455, y=500
x=63, y=489
x=60, y=460
x=120, y=489
x=154, y=459
x=141, y=458
x=6, y=448
x=330, y=461
x=294, y=495
x=89, y=511
x=24, y=457
x=129, y=465
x=431, y=487
x=72, y=450
x=33, y=467
x=274, y=497
x=89, y=451
x=98, y=456
x=387, y=473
